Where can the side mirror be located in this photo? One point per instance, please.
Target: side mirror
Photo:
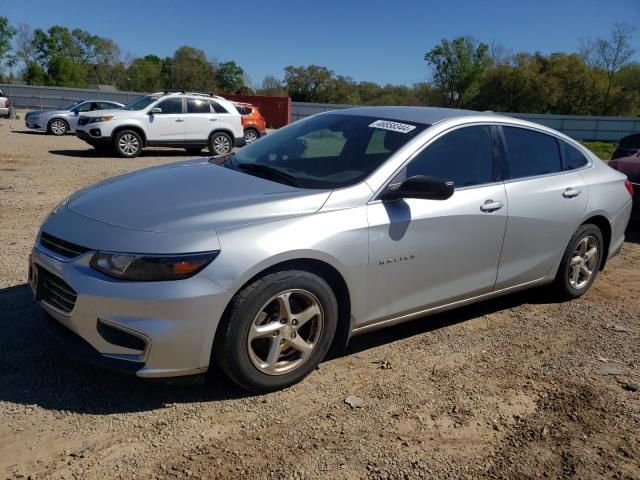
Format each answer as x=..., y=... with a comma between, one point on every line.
x=421, y=186
x=155, y=110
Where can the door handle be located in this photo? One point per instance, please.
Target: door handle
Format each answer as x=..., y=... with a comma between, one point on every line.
x=491, y=206
x=213, y=119
x=179, y=120
x=570, y=192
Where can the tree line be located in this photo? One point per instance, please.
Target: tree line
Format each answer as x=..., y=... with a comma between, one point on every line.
x=601, y=78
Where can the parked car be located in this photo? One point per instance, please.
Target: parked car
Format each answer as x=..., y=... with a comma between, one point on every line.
x=65, y=120
x=628, y=146
x=5, y=105
x=333, y=226
x=252, y=121
x=630, y=166
x=165, y=119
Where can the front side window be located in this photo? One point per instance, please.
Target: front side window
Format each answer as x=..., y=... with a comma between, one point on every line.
x=196, y=105
x=170, y=105
x=107, y=106
x=85, y=107
x=531, y=153
x=464, y=156
x=573, y=158
x=326, y=151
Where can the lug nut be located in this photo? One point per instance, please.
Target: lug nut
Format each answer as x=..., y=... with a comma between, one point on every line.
x=294, y=322
x=294, y=335
x=276, y=333
x=282, y=341
x=283, y=321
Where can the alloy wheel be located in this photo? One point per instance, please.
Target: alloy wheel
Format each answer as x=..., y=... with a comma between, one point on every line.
x=128, y=144
x=221, y=145
x=58, y=127
x=584, y=262
x=285, y=332
x=250, y=136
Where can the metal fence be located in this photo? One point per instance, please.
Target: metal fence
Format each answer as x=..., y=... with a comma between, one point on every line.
x=576, y=126
x=47, y=98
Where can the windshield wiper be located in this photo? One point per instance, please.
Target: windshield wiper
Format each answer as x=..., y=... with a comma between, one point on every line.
x=268, y=172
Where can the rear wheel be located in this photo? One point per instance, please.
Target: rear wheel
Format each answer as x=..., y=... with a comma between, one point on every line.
x=277, y=330
x=220, y=143
x=250, y=136
x=580, y=263
x=57, y=127
x=128, y=144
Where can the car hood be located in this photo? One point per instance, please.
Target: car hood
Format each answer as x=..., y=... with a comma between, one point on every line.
x=116, y=112
x=630, y=166
x=191, y=196
x=48, y=112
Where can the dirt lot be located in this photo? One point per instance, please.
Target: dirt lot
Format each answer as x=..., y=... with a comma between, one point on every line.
x=513, y=388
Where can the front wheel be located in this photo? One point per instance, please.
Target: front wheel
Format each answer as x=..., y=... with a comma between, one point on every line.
x=128, y=144
x=220, y=143
x=277, y=330
x=580, y=264
x=57, y=127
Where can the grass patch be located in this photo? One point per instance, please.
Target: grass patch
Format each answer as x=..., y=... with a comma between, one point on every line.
x=603, y=150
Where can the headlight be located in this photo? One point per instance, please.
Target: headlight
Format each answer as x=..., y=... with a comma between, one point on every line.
x=150, y=268
x=100, y=119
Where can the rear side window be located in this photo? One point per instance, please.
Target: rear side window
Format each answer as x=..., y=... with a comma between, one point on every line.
x=171, y=105
x=196, y=105
x=217, y=107
x=531, y=153
x=573, y=158
x=243, y=110
x=464, y=156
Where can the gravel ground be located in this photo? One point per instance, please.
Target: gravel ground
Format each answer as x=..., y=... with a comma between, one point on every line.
x=512, y=388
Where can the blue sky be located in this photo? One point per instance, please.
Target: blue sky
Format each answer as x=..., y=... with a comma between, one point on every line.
x=378, y=40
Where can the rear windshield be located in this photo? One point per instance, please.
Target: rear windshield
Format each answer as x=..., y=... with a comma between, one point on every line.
x=632, y=141
x=327, y=151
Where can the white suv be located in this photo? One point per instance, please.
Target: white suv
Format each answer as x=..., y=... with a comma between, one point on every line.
x=166, y=119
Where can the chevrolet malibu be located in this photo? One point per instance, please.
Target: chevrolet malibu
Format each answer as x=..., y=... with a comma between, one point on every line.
x=339, y=224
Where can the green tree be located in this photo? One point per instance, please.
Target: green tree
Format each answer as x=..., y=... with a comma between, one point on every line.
x=6, y=34
x=229, y=77
x=188, y=69
x=273, y=87
x=147, y=74
x=456, y=65
x=307, y=84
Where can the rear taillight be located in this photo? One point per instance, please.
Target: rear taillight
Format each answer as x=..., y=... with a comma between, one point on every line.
x=629, y=187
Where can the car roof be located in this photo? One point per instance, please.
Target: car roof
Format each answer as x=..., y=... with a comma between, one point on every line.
x=426, y=115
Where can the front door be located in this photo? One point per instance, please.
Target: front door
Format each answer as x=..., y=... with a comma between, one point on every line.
x=425, y=253
x=167, y=126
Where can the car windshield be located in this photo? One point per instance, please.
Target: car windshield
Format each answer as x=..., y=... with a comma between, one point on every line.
x=141, y=102
x=325, y=151
x=71, y=105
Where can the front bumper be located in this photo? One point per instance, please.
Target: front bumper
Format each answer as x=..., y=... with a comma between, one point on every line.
x=96, y=141
x=34, y=124
x=175, y=321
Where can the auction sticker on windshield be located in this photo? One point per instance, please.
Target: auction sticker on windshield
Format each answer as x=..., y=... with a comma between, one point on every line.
x=393, y=126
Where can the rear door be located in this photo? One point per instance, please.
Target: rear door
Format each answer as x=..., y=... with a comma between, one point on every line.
x=226, y=120
x=168, y=126
x=546, y=202
x=200, y=120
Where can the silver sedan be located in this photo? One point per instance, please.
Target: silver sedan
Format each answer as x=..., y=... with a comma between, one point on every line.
x=65, y=120
x=338, y=224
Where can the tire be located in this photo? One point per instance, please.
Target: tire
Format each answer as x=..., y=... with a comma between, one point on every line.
x=250, y=136
x=194, y=150
x=577, y=270
x=57, y=127
x=127, y=143
x=286, y=349
x=220, y=143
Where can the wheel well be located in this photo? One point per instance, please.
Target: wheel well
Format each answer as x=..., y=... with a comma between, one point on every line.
x=337, y=283
x=605, y=227
x=138, y=130
x=227, y=132
x=252, y=128
x=58, y=118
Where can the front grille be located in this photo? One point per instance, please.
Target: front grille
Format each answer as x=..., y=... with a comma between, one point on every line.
x=55, y=292
x=83, y=121
x=61, y=247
